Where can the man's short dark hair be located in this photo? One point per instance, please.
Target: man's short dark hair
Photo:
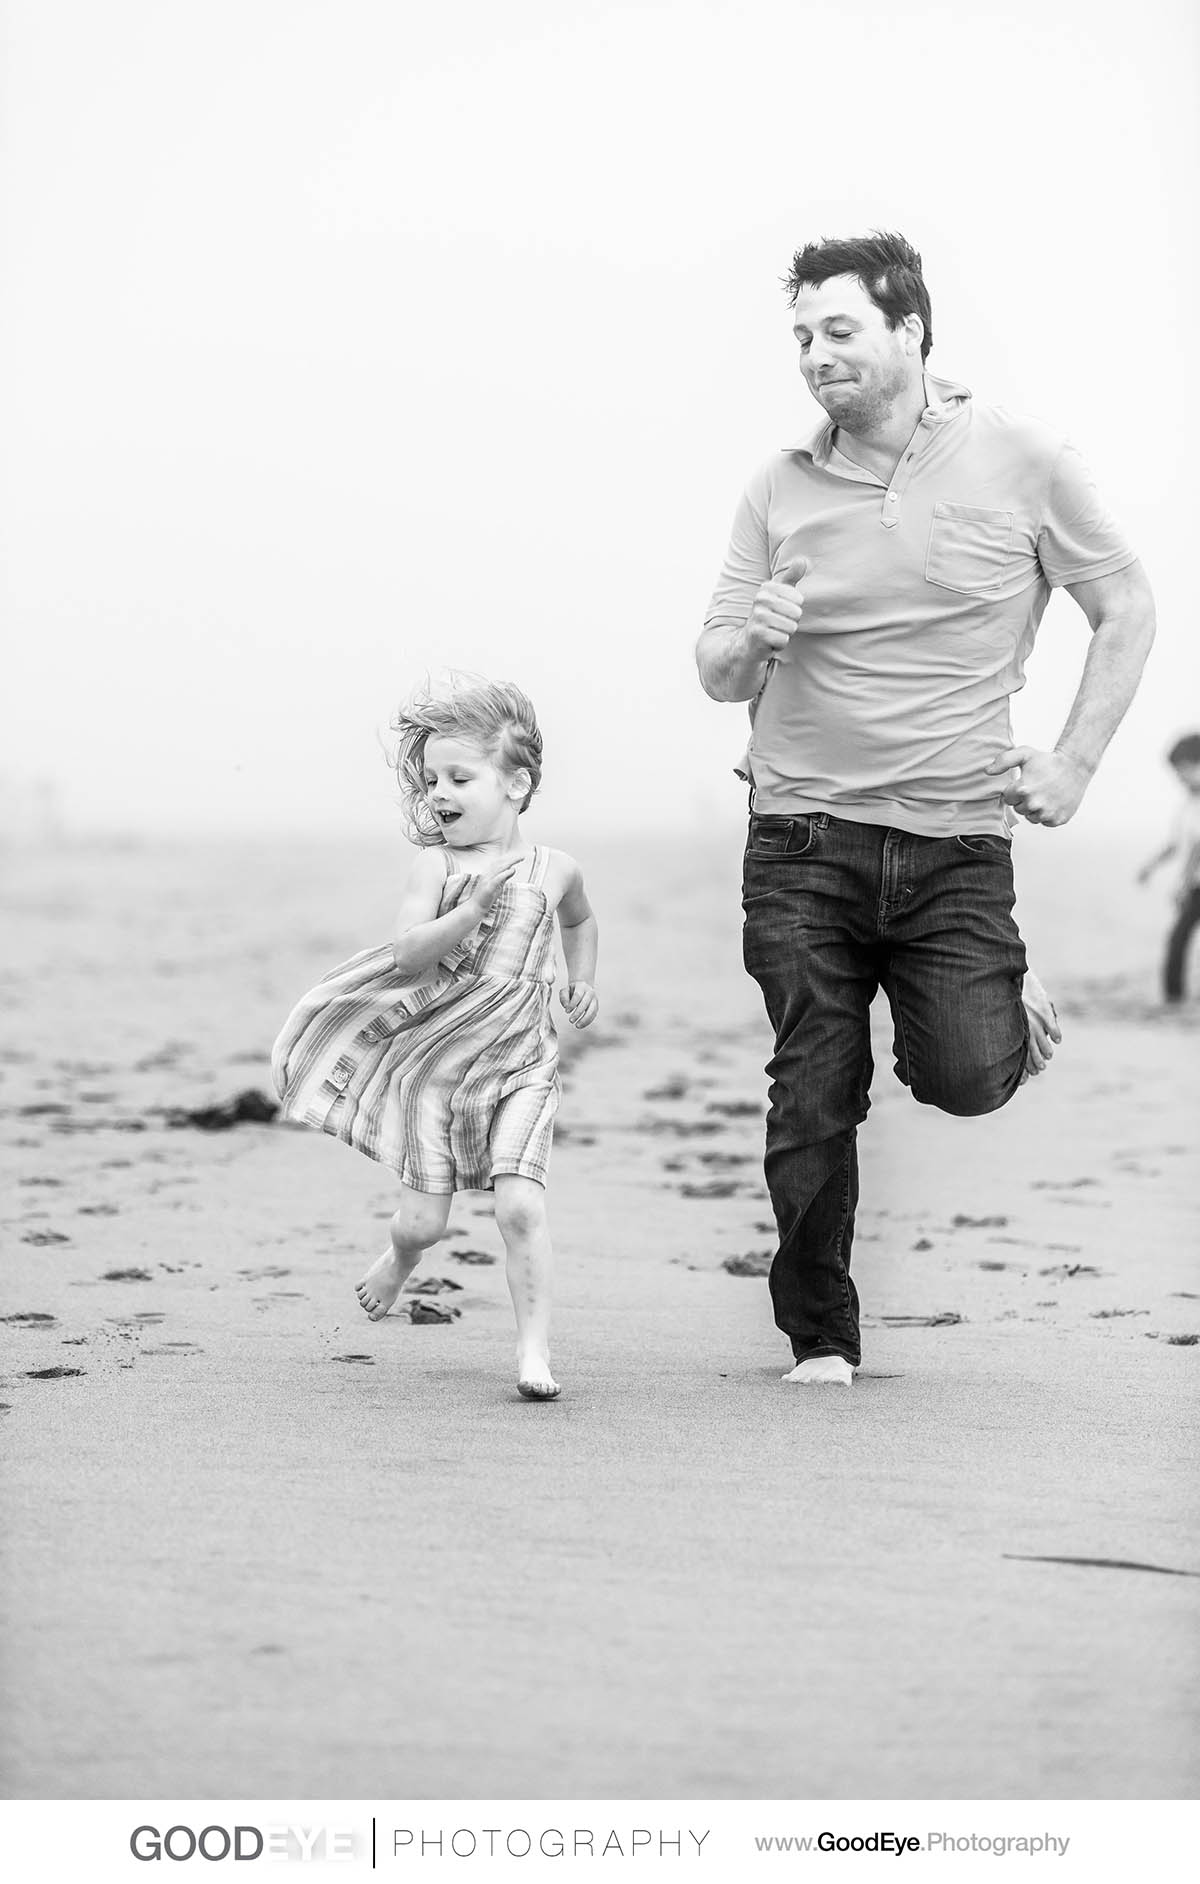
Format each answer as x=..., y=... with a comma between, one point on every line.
x=888, y=267
x=1185, y=751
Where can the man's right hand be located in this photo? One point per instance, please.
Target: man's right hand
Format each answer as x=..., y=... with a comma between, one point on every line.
x=776, y=611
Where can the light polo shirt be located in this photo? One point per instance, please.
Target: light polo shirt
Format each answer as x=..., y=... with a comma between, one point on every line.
x=921, y=603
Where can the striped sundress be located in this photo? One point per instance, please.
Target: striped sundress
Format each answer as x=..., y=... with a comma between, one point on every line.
x=452, y=1084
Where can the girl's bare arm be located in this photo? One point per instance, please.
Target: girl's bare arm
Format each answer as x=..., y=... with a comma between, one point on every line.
x=422, y=937
x=580, y=940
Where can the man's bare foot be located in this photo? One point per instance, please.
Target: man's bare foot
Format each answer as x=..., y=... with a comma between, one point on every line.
x=822, y=1370
x=1044, y=1031
x=381, y=1285
x=535, y=1381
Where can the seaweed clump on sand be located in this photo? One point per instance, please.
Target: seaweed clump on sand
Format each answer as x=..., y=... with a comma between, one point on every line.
x=251, y=1107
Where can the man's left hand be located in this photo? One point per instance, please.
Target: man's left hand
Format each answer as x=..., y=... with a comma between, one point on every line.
x=1048, y=786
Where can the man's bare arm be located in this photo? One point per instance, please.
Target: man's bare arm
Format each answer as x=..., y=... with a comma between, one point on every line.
x=733, y=660
x=1120, y=612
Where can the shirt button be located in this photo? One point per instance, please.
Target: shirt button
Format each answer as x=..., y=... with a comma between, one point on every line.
x=891, y=497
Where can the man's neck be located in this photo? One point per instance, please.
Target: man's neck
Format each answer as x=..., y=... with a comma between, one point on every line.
x=881, y=447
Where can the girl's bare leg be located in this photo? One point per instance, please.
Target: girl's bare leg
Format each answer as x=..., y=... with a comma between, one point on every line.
x=416, y=1226
x=521, y=1217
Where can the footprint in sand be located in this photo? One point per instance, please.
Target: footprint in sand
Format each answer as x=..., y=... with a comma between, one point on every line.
x=29, y=1317
x=1064, y=1184
x=679, y=1128
x=53, y=1373
x=43, y=1238
x=713, y=1187
x=949, y=1318
x=127, y=1275
x=1100, y=1563
x=479, y=1256
x=355, y=1360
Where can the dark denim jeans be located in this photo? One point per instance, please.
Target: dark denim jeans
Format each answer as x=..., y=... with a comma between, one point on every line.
x=833, y=912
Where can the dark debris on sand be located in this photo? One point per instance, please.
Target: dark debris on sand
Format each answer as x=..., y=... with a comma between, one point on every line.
x=250, y=1107
x=424, y=1311
x=753, y=1263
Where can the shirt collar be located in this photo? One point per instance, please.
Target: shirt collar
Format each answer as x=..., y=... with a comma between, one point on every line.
x=944, y=399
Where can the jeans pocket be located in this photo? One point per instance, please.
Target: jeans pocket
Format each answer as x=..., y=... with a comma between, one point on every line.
x=772, y=836
x=968, y=547
x=984, y=844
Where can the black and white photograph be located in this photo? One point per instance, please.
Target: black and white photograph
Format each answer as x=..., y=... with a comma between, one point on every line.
x=600, y=867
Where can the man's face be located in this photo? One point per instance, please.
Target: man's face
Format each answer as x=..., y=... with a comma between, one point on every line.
x=856, y=366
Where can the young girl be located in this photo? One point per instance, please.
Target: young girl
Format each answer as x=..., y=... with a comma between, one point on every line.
x=436, y=1054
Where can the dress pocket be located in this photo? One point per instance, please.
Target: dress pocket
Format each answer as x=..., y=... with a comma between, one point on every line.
x=968, y=547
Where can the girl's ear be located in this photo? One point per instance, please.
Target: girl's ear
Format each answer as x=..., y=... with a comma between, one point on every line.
x=520, y=784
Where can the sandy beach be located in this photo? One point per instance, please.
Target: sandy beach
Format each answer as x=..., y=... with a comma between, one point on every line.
x=258, y=1546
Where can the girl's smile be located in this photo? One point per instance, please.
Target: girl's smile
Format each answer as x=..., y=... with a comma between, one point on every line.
x=471, y=799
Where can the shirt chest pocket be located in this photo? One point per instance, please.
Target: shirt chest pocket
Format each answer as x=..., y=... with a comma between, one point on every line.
x=968, y=547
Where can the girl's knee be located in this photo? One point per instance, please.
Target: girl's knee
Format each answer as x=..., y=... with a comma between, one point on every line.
x=418, y=1224
x=520, y=1208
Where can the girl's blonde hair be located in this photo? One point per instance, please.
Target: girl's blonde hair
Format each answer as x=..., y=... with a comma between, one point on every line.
x=491, y=714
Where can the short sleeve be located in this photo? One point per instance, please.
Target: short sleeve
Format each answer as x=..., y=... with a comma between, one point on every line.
x=747, y=562
x=1078, y=538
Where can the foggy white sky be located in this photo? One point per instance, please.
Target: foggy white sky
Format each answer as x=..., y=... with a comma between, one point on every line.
x=350, y=338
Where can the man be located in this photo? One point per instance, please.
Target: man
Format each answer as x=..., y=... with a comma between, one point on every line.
x=928, y=532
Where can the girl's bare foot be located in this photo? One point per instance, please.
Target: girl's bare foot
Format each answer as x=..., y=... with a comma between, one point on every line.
x=534, y=1379
x=1044, y=1031
x=381, y=1285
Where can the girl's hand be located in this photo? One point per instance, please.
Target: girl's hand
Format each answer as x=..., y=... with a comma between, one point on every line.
x=488, y=888
x=581, y=1003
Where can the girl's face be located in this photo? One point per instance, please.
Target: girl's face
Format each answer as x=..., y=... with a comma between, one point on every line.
x=470, y=797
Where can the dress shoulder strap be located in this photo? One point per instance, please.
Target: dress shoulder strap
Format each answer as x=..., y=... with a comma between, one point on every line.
x=539, y=865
